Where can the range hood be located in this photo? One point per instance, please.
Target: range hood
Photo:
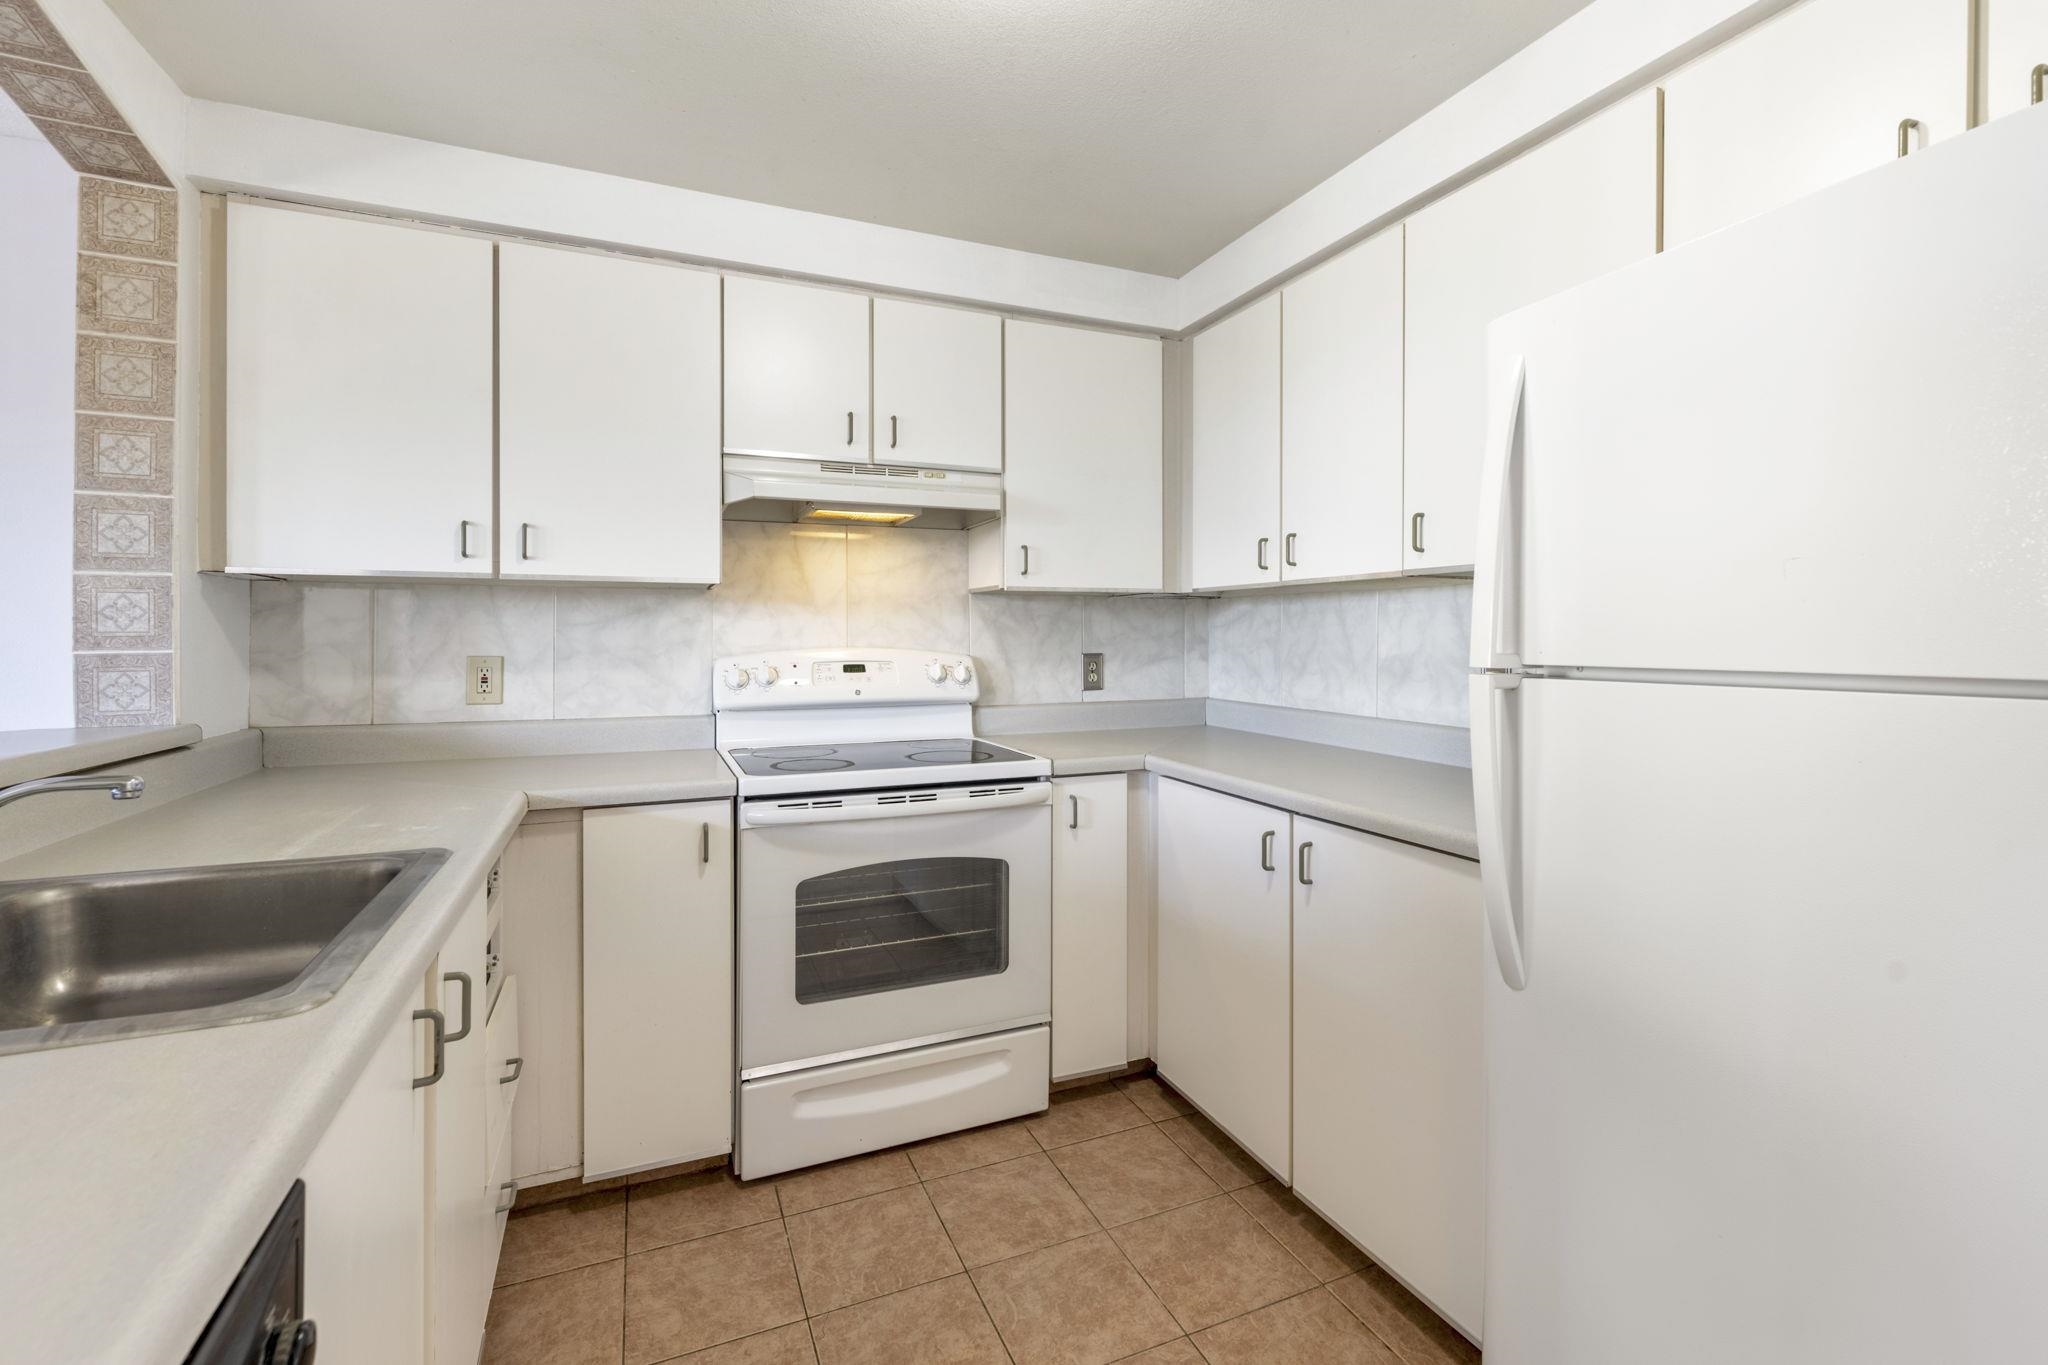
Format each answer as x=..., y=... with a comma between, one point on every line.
x=851, y=493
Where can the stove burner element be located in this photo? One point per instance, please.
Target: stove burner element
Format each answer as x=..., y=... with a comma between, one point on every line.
x=968, y=755
x=795, y=751
x=811, y=765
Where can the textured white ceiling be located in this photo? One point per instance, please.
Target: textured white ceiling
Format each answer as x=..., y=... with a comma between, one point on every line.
x=1136, y=133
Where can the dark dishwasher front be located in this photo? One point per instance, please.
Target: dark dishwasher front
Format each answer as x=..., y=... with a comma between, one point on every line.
x=260, y=1321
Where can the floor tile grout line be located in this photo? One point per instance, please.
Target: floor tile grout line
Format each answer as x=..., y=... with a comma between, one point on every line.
x=965, y=1269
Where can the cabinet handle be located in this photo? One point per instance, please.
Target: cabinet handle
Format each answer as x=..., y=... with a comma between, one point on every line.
x=1263, y=542
x=1287, y=551
x=468, y=990
x=1027, y=561
x=1907, y=127
x=704, y=843
x=2041, y=82
x=1073, y=812
x=440, y=1022
x=518, y=1064
x=462, y=539
x=1301, y=866
x=849, y=426
x=1266, y=851
x=892, y=431
x=526, y=540
x=508, y=1195
x=1415, y=533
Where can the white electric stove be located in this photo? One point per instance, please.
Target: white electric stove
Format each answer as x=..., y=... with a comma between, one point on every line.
x=895, y=905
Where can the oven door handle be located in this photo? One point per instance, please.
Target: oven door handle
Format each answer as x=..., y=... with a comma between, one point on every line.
x=756, y=813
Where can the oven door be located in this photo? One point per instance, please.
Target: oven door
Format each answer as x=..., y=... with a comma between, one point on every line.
x=872, y=926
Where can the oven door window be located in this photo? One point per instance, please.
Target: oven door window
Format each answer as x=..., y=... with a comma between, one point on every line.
x=892, y=926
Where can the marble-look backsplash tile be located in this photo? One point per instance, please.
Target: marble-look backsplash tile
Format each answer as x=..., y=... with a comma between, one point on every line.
x=1425, y=648
x=352, y=655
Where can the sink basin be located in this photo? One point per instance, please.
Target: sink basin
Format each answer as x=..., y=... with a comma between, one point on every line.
x=94, y=958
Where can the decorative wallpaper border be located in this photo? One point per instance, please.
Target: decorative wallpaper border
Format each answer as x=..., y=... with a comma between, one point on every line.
x=126, y=370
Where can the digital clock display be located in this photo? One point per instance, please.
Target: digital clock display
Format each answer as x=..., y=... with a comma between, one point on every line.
x=853, y=668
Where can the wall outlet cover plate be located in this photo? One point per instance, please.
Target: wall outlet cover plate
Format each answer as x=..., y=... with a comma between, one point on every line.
x=1091, y=672
x=485, y=684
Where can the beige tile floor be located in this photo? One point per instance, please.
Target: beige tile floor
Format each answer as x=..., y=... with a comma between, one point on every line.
x=1118, y=1225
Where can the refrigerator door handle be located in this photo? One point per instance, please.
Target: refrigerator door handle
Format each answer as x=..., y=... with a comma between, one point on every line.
x=1495, y=644
x=1494, y=774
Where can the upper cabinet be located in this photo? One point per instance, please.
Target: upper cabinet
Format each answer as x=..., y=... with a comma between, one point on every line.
x=1236, y=449
x=2016, y=61
x=608, y=418
x=1812, y=96
x=1083, y=507
x=1340, y=416
x=796, y=370
x=938, y=386
x=1580, y=205
x=357, y=364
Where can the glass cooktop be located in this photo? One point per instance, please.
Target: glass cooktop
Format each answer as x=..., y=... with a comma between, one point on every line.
x=874, y=757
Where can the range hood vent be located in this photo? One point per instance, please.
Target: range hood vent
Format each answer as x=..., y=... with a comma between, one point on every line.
x=842, y=492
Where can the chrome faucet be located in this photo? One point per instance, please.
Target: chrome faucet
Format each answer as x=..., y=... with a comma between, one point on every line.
x=119, y=787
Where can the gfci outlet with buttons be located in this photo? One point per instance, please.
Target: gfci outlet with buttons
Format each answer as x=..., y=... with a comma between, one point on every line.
x=486, y=680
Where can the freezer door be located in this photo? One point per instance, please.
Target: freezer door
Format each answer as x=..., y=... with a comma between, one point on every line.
x=1775, y=1089
x=1814, y=443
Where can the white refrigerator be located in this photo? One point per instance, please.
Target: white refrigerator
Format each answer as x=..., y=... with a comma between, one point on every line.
x=1760, y=729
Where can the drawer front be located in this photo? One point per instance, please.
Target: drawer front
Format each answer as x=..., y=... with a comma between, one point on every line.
x=501, y=1051
x=804, y=1117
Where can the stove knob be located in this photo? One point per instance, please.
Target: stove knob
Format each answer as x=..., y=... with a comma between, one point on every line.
x=737, y=678
x=766, y=675
x=963, y=673
x=937, y=672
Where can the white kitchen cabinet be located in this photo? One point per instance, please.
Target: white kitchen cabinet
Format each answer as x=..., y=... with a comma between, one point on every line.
x=1576, y=207
x=2016, y=55
x=1806, y=98
x=541, y=948
x=463, y=1239
x=1083, y=494
x=1390, y=1082
x=1090, y=924
x=657, y=985
x=608, y=418
x=1225, y=957
x=366, y=1225
x=1340, y=420
x=938, y=386
x=1236, y=449
x=357, y=397
x=796, y=370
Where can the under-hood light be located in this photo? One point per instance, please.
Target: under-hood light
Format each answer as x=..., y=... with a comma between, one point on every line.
x=865, y=516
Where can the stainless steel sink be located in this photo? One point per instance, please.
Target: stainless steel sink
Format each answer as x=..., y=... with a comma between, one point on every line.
x=88, y=959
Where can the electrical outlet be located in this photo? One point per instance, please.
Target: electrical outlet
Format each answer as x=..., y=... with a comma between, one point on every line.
x=486, y=680
x=1091, y=672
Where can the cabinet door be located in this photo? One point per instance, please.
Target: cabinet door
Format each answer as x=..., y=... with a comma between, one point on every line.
x=1340, y=456
x=366, y=1224
x=464, y=1240
x=1807, y=98
x=938, y=386
x=357, y=397
x=1580, y=205
x=541, y=946
x=607, y=418
x=1389, y=1120
x=2016, y=64
x=1236, y=431
x=1084, y=448
x=796, y=370
x=1224, y=962
x=1090, y=924
x=657, y=985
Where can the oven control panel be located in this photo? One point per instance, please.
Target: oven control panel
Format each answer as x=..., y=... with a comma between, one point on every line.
x=842, y=677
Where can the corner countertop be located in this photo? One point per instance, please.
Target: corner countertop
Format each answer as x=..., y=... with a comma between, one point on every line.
x=1401, y=798
x=569, y=781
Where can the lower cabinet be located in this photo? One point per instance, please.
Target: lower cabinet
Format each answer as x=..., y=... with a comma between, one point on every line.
x=657, y=985
x=464, y=1233
x=1224, y=960
x=1389, y=1076
x=1090, y=924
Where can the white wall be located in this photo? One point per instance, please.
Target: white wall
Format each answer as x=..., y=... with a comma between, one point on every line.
x=38, y=266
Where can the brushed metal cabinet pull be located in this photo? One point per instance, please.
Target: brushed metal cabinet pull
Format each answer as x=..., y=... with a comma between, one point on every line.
x=518, y=1064
x=1025, y=572
x=1264, y=541
x=1266, y=851
x=526, y=540
x=1287, y=551
x=849, y=426
x=892, y=431
x=1415, y=533
x=1907, y=127
x=462, y=539
x=704, y=843
x=468, y=991
x=1301, y=865
x=2041, y=83
x=508, y=1195
x=1073, y=812
x=440, y=1022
